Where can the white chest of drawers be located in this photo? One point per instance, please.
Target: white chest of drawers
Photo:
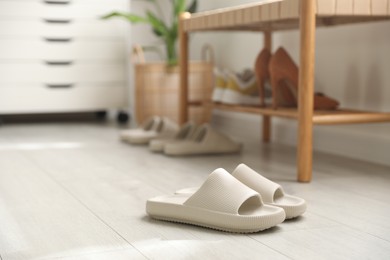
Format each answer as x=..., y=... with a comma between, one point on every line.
x=58, y=56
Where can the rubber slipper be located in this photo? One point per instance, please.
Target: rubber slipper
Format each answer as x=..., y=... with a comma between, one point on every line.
x=156, y=127
x=271, y=192
x=206, y=140
x=221, y=203
x=185, y=133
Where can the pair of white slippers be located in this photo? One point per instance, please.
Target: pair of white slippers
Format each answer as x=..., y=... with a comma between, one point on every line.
x=163, y=135
x=193, y=139
x=241, y=202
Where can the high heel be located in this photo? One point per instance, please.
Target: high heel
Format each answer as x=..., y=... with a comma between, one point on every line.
x=262, y=72
x=284, y=75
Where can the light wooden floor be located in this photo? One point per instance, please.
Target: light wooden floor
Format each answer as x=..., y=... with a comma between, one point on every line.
x=73, y=191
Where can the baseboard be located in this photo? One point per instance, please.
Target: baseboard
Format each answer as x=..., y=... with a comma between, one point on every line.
x=337, y=140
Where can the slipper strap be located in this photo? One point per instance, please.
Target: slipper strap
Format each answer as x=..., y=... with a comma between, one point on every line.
x=223, y=193
x=184, y=131
x=167, y=125
x=151, y=124
x=255, y=181
x=214, y=138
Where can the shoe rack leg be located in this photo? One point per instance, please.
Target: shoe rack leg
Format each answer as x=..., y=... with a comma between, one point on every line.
x=267, y=119
x=306, y=90
x=183, y=63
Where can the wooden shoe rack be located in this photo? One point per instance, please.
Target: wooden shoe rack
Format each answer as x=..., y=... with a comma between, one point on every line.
x=279, y=15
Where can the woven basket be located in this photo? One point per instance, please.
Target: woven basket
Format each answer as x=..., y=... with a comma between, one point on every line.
x=157, y=88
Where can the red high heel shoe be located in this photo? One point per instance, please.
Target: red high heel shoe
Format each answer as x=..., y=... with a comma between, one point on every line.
x=284, y=75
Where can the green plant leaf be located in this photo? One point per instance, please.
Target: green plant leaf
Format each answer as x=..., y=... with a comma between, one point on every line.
x=168, y=33
x=157, y=33
x=157, y=6
x=174, y=31
x=193, y=7
x=158, y=25
x=133, y=18
x=180, y=6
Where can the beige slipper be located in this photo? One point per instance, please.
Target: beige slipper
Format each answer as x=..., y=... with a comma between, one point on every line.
x=185, y=133
x=221, y=203
x=206, y=140
x=271, y=192
x=156, y=127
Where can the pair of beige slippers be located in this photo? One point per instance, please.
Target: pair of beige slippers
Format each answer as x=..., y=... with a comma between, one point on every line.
x=163, y=135
x=242, y=202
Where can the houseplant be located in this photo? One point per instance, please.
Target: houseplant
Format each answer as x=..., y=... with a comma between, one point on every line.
x=156, y=83
x=165, y=30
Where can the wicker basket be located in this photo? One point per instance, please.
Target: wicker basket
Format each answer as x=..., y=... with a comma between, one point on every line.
x=157, y=88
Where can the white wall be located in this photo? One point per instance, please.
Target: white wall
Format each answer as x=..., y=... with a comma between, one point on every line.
x=352, y=65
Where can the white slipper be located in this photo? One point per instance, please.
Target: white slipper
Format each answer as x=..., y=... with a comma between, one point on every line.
x=185, y=133
x=156, y=127
x=271, y=192
x=221, y=203
x=206, y=140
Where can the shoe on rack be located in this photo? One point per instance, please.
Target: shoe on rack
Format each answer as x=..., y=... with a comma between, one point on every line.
x=241, y=89
x=284, y=75
x=263, y=77
x=220, y=77
x=205, y=140
x=185, y=133
x=156, y=127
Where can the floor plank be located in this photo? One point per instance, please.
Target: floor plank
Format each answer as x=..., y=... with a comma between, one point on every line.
x=124, y=254
x=39, y=219
x=327, y=243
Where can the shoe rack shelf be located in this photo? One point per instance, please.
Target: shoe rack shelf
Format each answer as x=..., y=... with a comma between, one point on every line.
x=320, y=117
x=278, y=15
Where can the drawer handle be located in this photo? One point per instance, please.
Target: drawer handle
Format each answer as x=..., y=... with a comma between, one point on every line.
x=59, y=63
x=48, y=39
x=56, y=86
x=53, y=2
x=57, y=20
